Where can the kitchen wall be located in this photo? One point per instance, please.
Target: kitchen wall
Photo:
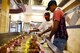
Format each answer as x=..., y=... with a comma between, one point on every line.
x=37, y=18
x=73, y=44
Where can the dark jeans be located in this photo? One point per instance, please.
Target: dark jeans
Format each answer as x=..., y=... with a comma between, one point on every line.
x=60, y=43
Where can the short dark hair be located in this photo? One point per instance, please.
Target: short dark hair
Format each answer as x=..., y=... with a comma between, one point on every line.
x=47, y=13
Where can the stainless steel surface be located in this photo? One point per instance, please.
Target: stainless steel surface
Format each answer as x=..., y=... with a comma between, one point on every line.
x=6, y=37
x=52, y=46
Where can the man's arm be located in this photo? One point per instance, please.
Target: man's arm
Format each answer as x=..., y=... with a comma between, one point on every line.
x=49, y=29
x=54, y=28
x=36, y=30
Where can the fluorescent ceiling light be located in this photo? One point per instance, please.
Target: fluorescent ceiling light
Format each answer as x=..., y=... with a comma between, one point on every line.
x=38, y=8
x=38, y=14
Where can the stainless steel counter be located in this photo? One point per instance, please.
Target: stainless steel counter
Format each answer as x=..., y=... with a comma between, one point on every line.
x=22, y=48
x=6, y=37
x=44, y=47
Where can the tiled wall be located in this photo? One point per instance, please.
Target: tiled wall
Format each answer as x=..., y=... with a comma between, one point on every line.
x=73, y=44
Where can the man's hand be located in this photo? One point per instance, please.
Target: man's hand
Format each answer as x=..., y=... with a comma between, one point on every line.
x=40, y=34
x=48, y=38
x=30, y=31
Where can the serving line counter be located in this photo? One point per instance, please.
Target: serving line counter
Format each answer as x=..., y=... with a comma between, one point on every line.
x=27, y=43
